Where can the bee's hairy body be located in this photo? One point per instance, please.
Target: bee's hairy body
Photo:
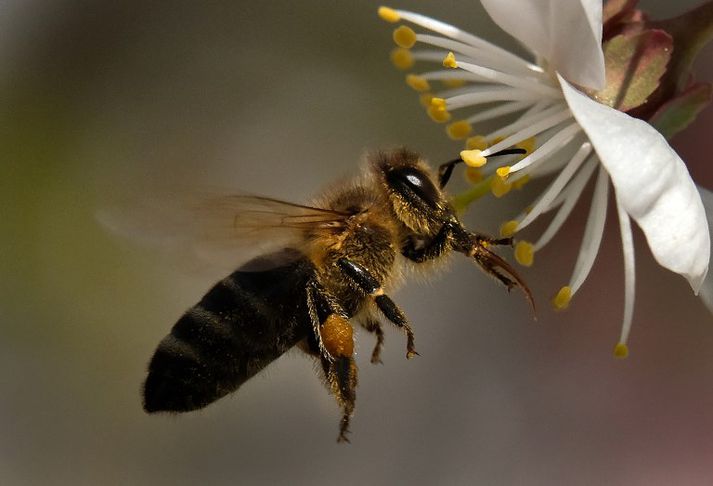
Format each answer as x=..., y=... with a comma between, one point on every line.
x=349, y=253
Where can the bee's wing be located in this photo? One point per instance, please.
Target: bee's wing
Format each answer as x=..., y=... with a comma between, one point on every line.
x=211, y=232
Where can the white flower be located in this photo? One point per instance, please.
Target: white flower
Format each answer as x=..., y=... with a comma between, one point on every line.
x=576, y=136
x=706, y=291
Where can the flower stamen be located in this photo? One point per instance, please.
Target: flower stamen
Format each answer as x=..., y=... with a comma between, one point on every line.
x=404, y=37
x=593, y=231
x=450, y=61
x=558, y=184
x=489, y=94
x=499, y=77
x=504, y=109
x=524, y=253
x=571, y=193
x=477, y=142
x=534, y=129
x=418, y=83
x=473, y=158
x=561, y=300
x=508, y=228
x=453, y=32
x=402, y=58
x=554, y=144
x=627, y=243
x=459, y=130
x=499, y=186
x=389, y=15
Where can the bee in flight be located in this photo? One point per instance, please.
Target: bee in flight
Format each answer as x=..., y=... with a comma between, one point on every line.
x=342, y=256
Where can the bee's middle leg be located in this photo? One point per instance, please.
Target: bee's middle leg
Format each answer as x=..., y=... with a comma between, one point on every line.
x=371, y=286
x=374, y=326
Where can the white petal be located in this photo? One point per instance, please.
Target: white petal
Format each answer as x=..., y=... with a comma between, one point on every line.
x=568, y=34
x=706, y=291
x=652, y=184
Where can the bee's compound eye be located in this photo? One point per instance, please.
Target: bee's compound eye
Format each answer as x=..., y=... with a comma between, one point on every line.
x=409, y=181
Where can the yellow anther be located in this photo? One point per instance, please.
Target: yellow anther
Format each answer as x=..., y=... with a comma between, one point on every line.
x=418, y=83
x=477, y=142
x=389, y=14
x=524, y=253
x=621, y=351
x=561, y=300
x=508, y=228
x=503, y=172
x=473, y=175
x=520, y=183
x=438, y=103
x=402, y=58
x=438, y=115
x=458, y=130
x=495, y=140
x=453, y=82
x=404, y=37
x=500, y=187
x=450, y=61
x=425, y=99
x=473, y=158
x=527, y=144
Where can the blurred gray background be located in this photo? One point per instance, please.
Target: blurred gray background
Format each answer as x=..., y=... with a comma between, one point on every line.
x=280, y=98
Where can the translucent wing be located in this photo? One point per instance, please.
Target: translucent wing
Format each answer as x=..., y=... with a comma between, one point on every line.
x=210, y=232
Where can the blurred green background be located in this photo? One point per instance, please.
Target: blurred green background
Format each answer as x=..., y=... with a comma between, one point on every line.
x=280, y=98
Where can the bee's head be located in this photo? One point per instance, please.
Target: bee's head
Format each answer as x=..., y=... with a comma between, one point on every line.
x=412, y=190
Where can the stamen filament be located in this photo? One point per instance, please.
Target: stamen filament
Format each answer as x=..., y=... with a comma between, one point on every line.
x=573, y=191
x=560, y=181
x=593, y=231
x=471, y=88
x=504, y=109
x=627, y=243
x=530, y=131
x=467, y=52
x=555, y=143
x=510, y=80
x=490, y=96
x=457, y=34
x=537, y=111
x=430, y=55
x=449, y=74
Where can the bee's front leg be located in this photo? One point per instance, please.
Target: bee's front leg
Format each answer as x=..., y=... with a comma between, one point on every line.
x=478, y=247
x=372, y=288
x=431, y=250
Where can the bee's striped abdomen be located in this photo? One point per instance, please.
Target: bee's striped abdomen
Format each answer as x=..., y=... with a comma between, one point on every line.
x=242, y=324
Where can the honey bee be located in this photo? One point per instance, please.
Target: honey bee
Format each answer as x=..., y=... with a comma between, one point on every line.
x=342, y=256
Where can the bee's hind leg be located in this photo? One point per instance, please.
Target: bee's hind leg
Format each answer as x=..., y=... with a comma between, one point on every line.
x=333, y=341
x=341, y=375
x=371, y=286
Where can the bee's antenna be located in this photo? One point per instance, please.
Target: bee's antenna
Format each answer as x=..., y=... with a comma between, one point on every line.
x=446, y=169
